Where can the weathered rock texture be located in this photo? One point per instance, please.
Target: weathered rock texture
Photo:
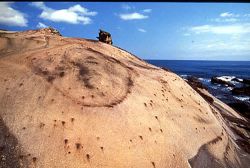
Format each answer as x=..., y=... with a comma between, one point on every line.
x=68, y=102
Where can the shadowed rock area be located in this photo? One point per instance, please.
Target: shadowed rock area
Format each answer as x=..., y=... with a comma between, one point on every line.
x=10, y=153
x=71, y=102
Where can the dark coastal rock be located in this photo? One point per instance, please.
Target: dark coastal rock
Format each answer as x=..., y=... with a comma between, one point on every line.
x=206, y=97
x=241, y=107
x=246, y=81
x=245, y=90
x=222, y=80
x=196, y=85
x=243, y=81
x=237, y=80
x=166, y=69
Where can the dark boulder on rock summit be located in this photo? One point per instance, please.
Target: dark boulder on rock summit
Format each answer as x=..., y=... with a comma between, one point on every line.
x=53, y=31
x=105, y=37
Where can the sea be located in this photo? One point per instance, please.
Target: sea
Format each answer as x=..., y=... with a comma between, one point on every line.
x=204, y=70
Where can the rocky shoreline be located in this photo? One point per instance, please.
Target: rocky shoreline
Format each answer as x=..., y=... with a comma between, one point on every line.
x=239, y=126
x=243, y=87
x=239, y=87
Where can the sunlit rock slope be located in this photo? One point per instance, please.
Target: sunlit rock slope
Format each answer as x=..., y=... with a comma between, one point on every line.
x=69, y=102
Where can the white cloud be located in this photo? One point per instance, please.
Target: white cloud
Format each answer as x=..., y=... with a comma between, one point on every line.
x=223, y=49
x=225, y=20
x=10, y=16
x=41, y=25
x=133, y=16
x=224, y=29
x=82, y=10
x=229, y=36
x=40, y=5
x=239, y=45
x=147, y=10
x=228, y=14
x=141, y=30
x=231, y=17
x=73, y=15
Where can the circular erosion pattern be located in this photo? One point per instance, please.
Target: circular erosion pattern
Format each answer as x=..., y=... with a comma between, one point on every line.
x=85, y=76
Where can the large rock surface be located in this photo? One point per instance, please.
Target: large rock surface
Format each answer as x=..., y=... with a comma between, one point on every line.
x=67, y=102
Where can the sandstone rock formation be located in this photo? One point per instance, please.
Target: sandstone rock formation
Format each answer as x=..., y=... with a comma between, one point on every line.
x=105, y=37
x=69, y=102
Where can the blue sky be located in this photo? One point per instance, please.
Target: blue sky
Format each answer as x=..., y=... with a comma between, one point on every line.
x=160, y=30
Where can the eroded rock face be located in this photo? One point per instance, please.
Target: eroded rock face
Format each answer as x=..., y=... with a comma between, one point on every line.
x=71, y=102
x=98, y=79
